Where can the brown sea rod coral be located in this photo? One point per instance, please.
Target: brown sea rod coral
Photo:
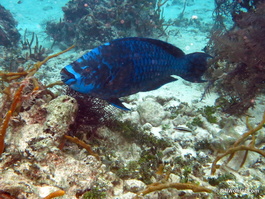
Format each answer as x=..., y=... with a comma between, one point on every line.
x=19, y=92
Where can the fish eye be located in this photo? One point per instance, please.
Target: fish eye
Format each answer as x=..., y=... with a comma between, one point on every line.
x=64, y=77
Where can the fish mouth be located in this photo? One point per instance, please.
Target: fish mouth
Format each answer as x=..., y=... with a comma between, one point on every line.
x=67, y=77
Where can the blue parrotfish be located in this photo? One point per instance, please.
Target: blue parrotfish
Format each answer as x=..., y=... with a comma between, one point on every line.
x=130, y=65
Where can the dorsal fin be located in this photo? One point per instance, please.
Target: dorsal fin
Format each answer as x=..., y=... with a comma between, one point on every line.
x=169, y=48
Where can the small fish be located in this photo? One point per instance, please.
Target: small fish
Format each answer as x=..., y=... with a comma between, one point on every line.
x=182, y=128
x=130, y=65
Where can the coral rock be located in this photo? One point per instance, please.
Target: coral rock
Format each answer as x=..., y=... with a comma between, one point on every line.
x=128, y=195
x=133, y=185
x=151, y=112
x=61, y=114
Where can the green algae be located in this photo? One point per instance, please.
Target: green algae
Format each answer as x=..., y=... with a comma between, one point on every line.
x=94, y=193
x=220, y=179
x=134, y=134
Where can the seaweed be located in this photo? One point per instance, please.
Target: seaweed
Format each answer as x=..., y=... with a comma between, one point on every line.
x=135, y=134
x=184, y=183
x=239, y=64
x=92, y=114
x=195, y=122
x=94, y=193
x=221, y=178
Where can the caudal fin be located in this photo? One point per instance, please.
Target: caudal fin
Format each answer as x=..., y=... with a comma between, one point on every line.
x=196, y=66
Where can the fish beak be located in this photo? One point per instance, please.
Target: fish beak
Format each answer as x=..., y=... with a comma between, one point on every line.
x=67, y=77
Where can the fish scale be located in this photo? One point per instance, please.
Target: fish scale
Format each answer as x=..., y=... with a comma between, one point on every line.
x=129, y=65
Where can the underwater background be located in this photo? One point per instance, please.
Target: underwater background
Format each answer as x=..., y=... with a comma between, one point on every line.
x=182, y=140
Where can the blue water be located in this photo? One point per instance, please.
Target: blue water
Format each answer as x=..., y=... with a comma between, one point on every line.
x=33, y=16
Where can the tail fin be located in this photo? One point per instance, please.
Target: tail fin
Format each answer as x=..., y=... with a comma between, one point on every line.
x=196, y=66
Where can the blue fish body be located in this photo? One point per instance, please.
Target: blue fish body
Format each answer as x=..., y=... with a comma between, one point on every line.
x=126, y=66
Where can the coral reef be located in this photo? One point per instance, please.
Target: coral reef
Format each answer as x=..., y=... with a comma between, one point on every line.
x=21, y=95
x=91, y=23
x=239, y=68
x=9, y=35
x=118, y=157
x=13, y=55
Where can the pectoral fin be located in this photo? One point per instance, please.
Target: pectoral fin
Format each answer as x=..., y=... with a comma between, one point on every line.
x=116, y=102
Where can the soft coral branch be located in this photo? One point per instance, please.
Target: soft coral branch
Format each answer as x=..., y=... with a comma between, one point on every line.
x=180, y=186
x=17, y=99
x=236, y=147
